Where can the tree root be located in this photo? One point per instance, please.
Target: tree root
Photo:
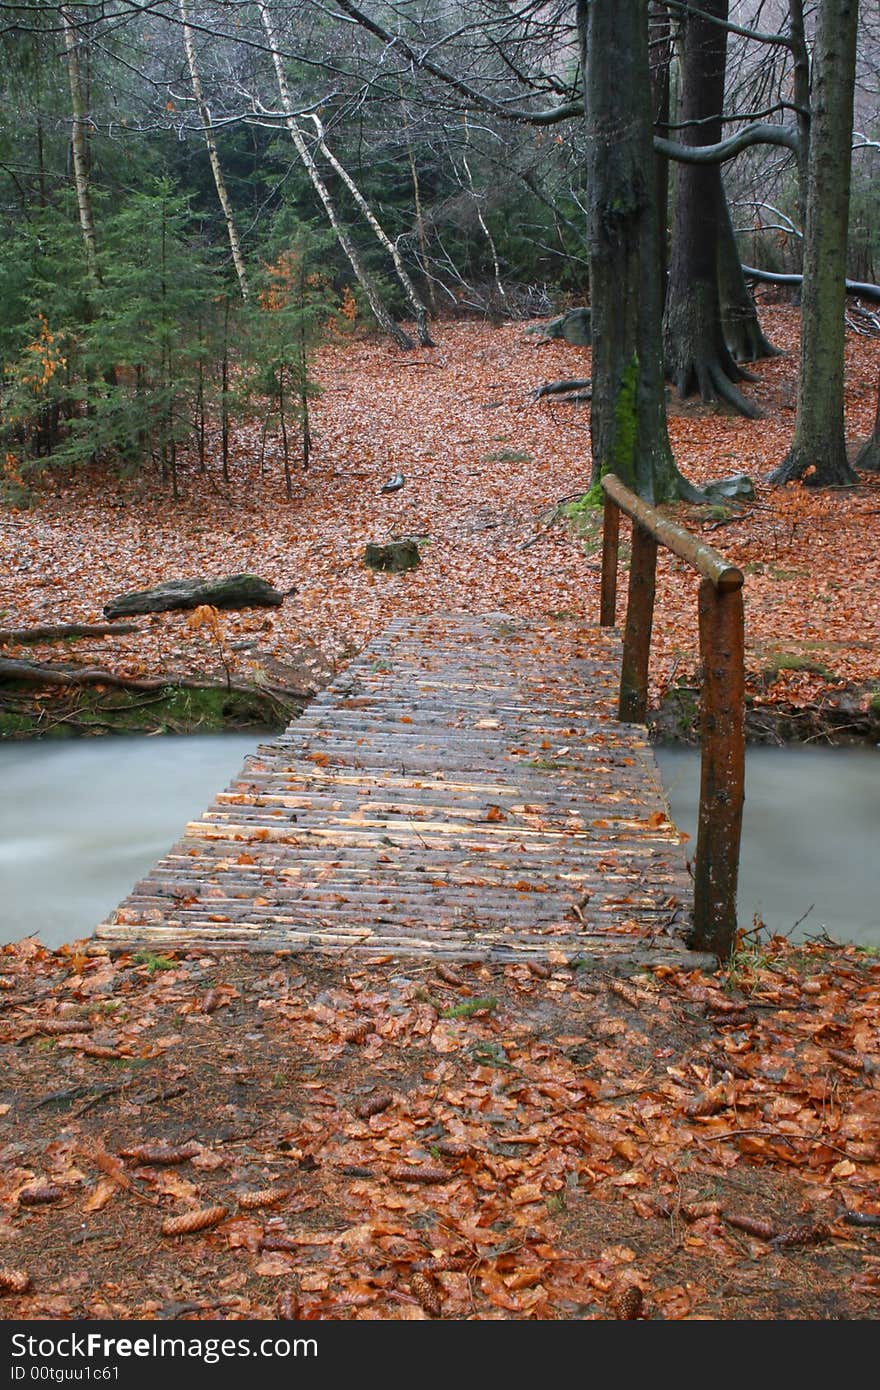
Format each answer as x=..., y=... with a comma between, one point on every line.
x=868, y=457
x=714, y=382
x=799, y=465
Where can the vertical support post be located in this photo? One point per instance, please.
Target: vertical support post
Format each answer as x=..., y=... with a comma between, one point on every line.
x=722, y=769
x=633, y=703
x=610, y=550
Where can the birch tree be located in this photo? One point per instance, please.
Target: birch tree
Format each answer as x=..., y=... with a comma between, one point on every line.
x=213, y=156
x=362, y=275
x=78, y=145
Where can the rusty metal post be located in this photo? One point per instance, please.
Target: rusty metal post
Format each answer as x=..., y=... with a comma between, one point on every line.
x=722, y=770
x=610, y=549
x=637, y=634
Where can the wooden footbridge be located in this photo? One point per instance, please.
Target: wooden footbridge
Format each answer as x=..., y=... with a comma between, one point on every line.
x=463, y=789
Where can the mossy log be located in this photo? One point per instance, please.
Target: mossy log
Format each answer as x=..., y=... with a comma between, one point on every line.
x=235, y=591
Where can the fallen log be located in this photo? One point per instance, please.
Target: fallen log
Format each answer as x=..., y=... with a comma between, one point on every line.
x=36, y=673
x=58, y=632
x=235, y=591
x=583, y=386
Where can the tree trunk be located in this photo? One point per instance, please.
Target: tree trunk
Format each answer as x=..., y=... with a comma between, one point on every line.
x=801, y=56
x=380, y=313
x=868, y=458
x=420, y=313
x=420, y=223
x=739, y=317
x=79, y=149
x=628, y=416
x=818, y=453
x=213, y=156
x=660, y=31
x=697, y=356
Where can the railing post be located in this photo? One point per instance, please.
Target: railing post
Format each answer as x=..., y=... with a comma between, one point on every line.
x=633, y=703
x=722, y=769
x=610, y=549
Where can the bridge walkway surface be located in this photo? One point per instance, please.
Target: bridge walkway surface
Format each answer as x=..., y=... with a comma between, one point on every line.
x=461, y=790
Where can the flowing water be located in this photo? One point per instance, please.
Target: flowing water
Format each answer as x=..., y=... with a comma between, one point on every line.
x=811, y=836
x=80, y=822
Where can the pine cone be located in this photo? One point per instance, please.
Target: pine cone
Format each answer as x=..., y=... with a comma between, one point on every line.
x=266, y=1197
x=427, y=1293
x=422, y=1172
x=193, y=1221
x=374, y=1105
x=160, y=1154
x=14, y=1280
x=628, y=1305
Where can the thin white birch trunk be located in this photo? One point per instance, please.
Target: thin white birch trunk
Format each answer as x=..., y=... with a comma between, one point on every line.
x=213, y=156
x=78, y=148
x=420, y=313
x=383, y=318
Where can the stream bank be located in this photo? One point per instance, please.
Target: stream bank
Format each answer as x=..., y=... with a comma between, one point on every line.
x=174, y=709
x=839, y=718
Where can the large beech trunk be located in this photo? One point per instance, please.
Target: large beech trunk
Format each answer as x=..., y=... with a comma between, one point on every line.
x=742, y=329
x=869, y=455
x=818, y=452
x=628, y=417
x=697, y=355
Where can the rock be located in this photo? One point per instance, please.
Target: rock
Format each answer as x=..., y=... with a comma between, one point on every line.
x=392, y=555
x=575, y=327
x=394, y=484
x=738, y=488
x=235, y=591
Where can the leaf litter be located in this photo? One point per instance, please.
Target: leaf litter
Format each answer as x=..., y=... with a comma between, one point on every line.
x=689, y=1146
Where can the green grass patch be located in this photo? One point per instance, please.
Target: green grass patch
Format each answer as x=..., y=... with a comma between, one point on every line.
x=484, y=1004
x=777, y=662
x=507, y=456
x=153, y=961
x=777, y=572
x=174, y=710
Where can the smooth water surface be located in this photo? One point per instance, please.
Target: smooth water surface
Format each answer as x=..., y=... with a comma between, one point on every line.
x=81, y=821
x=811, y=836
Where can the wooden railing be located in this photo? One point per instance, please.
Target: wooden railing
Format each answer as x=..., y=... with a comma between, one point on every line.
x=722, y=697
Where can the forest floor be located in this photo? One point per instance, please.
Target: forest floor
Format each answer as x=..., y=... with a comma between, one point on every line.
x=330, y=1137
x=325, y=1137
x=485, y=468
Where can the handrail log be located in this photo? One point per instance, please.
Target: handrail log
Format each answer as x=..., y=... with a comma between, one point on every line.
x=704, y=559
x=722, y=702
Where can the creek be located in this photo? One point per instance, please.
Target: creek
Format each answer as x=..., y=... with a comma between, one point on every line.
x=810, y=854
x=81, y=821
